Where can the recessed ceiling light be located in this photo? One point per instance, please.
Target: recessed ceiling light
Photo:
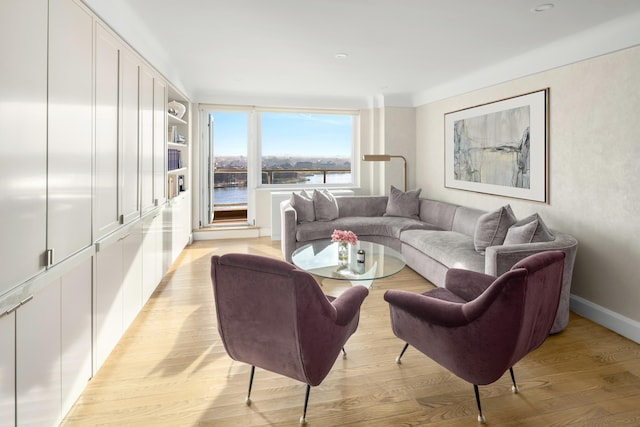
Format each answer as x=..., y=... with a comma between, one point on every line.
x=341, y=56
x=542, y=7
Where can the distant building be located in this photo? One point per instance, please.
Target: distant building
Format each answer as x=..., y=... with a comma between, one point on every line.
x=304, y=165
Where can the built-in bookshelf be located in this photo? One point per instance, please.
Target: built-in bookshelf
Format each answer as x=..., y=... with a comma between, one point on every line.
x=177, y=146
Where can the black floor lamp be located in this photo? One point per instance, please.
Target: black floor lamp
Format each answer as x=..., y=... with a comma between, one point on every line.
x=387, y=158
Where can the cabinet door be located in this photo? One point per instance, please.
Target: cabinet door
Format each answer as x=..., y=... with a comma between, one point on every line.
x=23, y=150
x=7, y=370
x=70, y=128
x=76, y=333
x=132, y=279
x=159, y=140
x=129, y=143
x=146, y=139
x=151, y=254
x=106, y=213
x=108, y=300
x=38, y=358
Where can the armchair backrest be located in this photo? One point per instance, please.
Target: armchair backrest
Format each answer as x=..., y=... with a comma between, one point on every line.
x=542, y=294
x=267, y=311
x=520, y=306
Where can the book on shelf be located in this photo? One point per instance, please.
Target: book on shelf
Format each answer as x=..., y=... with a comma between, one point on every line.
x=174, y=159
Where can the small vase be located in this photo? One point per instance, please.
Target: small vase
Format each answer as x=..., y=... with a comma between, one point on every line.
x=343, y=253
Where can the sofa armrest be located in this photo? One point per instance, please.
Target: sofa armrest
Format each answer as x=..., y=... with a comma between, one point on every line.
x=500, y=259
x=288, y=228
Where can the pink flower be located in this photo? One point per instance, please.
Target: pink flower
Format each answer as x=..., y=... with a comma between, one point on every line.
x=344, y=236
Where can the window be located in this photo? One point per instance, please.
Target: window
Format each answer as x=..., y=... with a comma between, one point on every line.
x=306, y=148
x=252, y=147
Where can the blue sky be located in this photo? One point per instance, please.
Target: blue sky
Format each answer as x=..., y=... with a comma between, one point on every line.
x=285, y=134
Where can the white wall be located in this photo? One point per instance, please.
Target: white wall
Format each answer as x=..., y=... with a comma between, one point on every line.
x=593, y=169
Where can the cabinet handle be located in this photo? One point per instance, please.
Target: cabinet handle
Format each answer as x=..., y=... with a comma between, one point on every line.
x=12, y=309
x=15, y=307
x=49, y=256
x=26, y=300
x=124, y=237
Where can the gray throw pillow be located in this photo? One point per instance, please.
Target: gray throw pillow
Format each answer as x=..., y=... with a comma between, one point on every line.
x=326, y=206
x=528, y=230
x=404, y=204
x=303, y=204
x=492, y=227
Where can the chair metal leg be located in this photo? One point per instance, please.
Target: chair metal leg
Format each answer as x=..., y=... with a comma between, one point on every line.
x=303, y=418
x=344, y=353
x=248, y=399
x=481, y=419
x=406, y=345
x=514, y=387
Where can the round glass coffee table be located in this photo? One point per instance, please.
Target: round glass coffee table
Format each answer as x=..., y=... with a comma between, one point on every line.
x=320, y=258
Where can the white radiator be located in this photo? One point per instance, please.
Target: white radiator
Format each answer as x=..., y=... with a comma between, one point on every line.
x=280, y=196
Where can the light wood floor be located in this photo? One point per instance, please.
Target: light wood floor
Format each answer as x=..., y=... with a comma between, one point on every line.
x=170, y=369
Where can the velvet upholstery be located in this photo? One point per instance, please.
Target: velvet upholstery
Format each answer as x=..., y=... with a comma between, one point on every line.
x=274, y=316
x=403, y=203
x=478, y=326
x=442, y=238
x=325, y=205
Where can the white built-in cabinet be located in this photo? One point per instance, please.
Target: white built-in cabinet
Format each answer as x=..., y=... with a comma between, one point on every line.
x=69, y=145
x=152, y=253
x=23, y=149
x=87, y=225
x=7, y=369
x=146, y=140
x=160, y=92
x=153, y=131
x=129, y=137
x=46, y=353
x=106, y=212
x=117, y=287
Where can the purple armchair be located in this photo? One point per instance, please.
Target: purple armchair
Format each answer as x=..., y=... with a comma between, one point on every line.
x=479, y=326
x=274, y=316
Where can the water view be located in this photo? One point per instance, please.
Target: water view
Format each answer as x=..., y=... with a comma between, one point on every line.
x=238, y=194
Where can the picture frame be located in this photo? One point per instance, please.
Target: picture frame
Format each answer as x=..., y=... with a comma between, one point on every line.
x=500, y=148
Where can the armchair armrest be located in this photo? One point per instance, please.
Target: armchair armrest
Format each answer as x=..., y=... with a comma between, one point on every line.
x=427, y=309
x=348, y=304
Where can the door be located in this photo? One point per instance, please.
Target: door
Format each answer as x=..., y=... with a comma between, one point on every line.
x=229, y=183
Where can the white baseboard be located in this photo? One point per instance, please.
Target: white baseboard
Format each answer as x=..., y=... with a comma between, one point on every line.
x=624, y=326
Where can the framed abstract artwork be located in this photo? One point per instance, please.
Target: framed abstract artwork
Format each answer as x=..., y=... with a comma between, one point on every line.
x=500, y=148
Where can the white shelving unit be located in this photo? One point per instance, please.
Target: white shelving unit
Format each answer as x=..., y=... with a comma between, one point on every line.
x=177, y=153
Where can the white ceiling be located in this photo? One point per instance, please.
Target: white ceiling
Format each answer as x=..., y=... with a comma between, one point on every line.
x=403, y=52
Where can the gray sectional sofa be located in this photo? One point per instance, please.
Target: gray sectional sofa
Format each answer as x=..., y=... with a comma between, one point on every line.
x=439, y=237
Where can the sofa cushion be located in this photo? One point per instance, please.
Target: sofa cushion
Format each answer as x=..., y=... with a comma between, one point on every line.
x=438, y=213
x=528, y=230
x=449, y=248
x=492, y=227
x=361, y=226
x=361, y=205
x=303, y=204
x=404, y=204
x=325, y=205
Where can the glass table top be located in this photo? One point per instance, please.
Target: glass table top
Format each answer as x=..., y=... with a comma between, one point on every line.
x=320, y=258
